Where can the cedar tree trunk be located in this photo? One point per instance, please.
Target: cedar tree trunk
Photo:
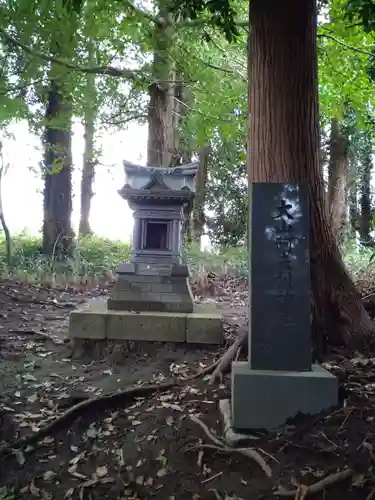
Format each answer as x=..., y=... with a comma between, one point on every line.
x=365, y=216
x=197, y=215
x=57, y=229
x=88, y=172
x=161, y=94
x=284, y=147
x=337, y=180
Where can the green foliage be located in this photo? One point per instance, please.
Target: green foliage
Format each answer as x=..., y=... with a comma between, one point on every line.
x=93, y=256
x=221, y=12
x=231, y=261
x=96, y=256
x=227, y=194
x=343, y=65
x=6, y=493
x=362, y=10
x=358, y=260
x=101, y=51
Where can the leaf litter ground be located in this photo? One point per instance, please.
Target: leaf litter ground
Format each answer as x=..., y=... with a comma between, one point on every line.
x=156, y=446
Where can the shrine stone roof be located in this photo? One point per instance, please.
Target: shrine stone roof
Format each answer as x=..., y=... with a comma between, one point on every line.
x=158, y=183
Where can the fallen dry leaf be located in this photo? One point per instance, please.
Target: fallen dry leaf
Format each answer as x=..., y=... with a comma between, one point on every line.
x=69, y=493
x=172, y=406
x=161, y=472
x=77, y=458
x=32, y=398
x=34, y=490
x=101, y=471
x=149, y=481
x=48, y=475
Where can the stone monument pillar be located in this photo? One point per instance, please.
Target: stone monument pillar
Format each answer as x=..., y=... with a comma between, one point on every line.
x=152, y=299
x=278, y=380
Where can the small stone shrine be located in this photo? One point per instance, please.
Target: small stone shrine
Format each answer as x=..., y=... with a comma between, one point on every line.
x=152, y=299
x=279, y=381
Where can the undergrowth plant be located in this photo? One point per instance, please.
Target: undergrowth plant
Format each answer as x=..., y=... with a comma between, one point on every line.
x=6, y=493
x=96, y=258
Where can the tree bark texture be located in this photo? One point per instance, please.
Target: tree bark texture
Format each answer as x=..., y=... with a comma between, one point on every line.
x=284, y=147
x=198, y=216
x=57, y=229
x=365, y=215
x=337, y=180
x=353, y=208
x=3, y=222
x=88, y=169
x=161, y=94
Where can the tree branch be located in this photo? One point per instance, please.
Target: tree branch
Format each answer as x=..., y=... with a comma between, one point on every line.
x=197, y=23
x=99, y=70
x=128, y=119
x=140, y=12
x=347, y=47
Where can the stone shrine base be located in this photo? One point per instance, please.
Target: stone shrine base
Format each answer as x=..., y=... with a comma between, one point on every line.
x=265, y=399
x=95, y=321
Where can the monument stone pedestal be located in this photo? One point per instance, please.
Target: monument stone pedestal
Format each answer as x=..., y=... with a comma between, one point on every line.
x=279, y=381
x=266, y=399
x=151, y=299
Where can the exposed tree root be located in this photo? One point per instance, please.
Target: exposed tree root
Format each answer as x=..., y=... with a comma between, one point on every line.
x=205, y=371
x=230, y=355
x=113, y=400
x=315, y=488
x=220, y=446
x=106, y=402
x=40, y=335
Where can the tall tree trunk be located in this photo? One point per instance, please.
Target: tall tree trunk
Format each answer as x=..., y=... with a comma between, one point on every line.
x=365, y=216
x=57, y=229
x=284, y=147
x=337, y=180
x=161, y=93
x=353, y=208
x=182, y=144
x=197, y=215
x=3, y=222
x=88, y=169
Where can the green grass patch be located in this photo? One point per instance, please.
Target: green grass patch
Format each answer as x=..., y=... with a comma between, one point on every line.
x=95, y=256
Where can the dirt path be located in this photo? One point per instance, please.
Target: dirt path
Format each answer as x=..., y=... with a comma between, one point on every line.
x=148, y=449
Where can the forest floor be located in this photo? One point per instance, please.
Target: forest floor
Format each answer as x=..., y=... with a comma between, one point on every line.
x=153, y=447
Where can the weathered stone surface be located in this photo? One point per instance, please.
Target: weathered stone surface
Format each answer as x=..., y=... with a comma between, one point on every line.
x=87, y=324
x=156, y=326
x=266, y=399
x=152, y=291
x=95, y=320
x=125, y=268
x=204, y=326
x=157, y=198
x=280, y=278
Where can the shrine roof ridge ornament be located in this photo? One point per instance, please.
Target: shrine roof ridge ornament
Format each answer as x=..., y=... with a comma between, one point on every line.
x=187, y=170
x=174, y=183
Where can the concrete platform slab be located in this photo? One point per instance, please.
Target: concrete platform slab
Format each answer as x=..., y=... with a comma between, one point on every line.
x=152, y=326
x=87, y=324
x=95, y=321
x=205, y=325
x=265, y=399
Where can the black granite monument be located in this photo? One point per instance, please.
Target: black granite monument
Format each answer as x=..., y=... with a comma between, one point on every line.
x=279, y=380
